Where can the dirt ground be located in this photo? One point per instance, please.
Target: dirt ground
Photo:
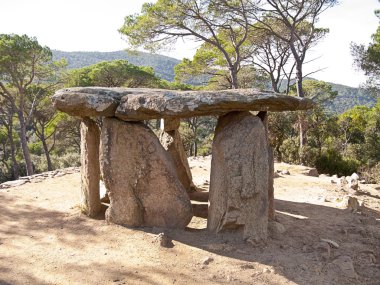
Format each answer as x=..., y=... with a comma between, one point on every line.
x=44, y=239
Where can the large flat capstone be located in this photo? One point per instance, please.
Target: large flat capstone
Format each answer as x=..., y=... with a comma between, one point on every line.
x=139, y=104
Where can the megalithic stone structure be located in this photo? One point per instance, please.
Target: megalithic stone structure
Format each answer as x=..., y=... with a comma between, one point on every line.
x=90, y=169
x=140, y=179
x=239, y=177
x=170, y=139
x=147, y=184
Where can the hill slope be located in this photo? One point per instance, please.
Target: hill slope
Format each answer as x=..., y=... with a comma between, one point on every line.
x=349, y=97
x=163, y=65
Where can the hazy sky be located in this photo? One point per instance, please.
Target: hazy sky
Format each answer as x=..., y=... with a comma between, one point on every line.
x=91, y=25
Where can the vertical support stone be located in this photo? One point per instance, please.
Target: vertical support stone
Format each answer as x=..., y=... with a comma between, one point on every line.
x=170, y=139
x=140, y=178
x=271, y=210
x=90, y=168
x=239, y=177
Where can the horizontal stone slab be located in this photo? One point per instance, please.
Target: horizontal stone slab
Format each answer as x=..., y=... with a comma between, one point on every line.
x=144, y=104
x=87, y=101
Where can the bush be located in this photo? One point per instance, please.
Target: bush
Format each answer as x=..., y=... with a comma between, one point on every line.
x=290, y=151
x=69, y=159
x=331, y=162
x=371, y=174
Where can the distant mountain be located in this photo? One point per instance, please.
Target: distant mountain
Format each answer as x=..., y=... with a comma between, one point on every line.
x=349, y=97
x=163, y=65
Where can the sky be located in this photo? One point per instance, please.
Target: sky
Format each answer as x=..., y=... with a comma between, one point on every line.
x=91, y=25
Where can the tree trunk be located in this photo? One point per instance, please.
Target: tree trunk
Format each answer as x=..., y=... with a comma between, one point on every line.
x=302, y=135
x=47, y=154
x=274, y=85
x=300, y=93
x=278, y=152
x=15, y=169
x=24, y=144
x=234, y=78
x=195, y=148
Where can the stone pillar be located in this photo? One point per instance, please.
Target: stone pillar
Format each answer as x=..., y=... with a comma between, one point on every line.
x=140, y=178
x=239, y=177
x=271, y=210
x=90, y=169
x=171, y=140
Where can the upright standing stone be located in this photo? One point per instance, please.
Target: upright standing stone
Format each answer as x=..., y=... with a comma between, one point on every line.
x=271, y=210
x=170, y=139
x=90, y=169
x=140, y=178
x=239, y=177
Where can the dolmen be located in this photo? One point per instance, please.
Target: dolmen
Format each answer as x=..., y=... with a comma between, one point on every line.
x=148, y=179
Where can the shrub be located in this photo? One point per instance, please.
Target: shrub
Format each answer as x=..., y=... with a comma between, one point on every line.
x=331, y=162
x=290, y=150
x=69, y=159
x=371, y=174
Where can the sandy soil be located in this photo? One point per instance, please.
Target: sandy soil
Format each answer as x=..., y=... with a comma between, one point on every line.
x=44, y=239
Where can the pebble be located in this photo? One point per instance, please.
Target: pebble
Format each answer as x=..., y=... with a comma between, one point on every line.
x=247, y=266
x=207, y=260
x=324, y=248
x=267, y=270
x=164, y=240
x=330, y=242
x=346, y=265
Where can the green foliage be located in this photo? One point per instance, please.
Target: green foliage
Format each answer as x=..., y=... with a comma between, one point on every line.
x=331, y=162
x=22, y=59
x=371, y=174
x=163, y=66
x=289, y=150
x=113, y=74
x=318, y=91
x=68, y=159
x=368, y=59
x=36, y=148
x=197, y=134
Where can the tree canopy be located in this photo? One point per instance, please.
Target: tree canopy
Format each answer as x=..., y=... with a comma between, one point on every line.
x=368, y=58
x=114, y=73
x=24, y=63
x=226, y=26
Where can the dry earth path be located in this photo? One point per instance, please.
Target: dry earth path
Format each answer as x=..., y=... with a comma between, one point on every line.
x=44, y=239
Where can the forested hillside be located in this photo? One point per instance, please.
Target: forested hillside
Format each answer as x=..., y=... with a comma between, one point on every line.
x=163, y=65
x=348, y=97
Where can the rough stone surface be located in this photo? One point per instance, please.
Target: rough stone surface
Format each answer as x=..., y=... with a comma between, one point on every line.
x=276, y=230
x=14, y=183
x=87, y=101
x=240, y=177
x=346, y=265
x=353, y=204
x=170, y=124
x=144, y=104
x=90, y=169
x=311, y=172
x=172, y=143
x=140, y=178
x=271, y=207
x=353, y=184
